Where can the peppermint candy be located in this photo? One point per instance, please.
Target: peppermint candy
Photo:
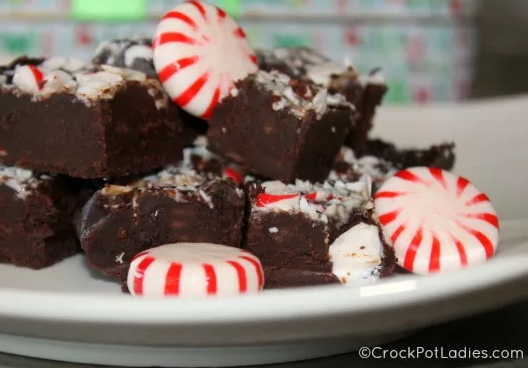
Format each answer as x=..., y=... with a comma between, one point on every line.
x=284, y=202
x=436, y=221
x=28, y=78
x=199, y=51
x=194, y=270
x=234, y=174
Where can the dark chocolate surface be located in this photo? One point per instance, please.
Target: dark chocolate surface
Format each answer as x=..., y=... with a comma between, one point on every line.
x=136, y=54
x=62, y=134
x=364, y=95
x=275, y=143
x=119, y=222
x=440, y=155
x=35, y=221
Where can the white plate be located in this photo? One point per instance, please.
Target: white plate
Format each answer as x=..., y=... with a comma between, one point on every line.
x=68, y=313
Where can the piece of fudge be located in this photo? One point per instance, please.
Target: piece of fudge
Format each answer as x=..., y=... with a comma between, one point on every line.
x=280, y=128
x=136, y=54
x=312, y=234
x=441, y=155
x=381, y=160
x=61, y=116
x=365, y=92
x=174, y=205
x=35, y=220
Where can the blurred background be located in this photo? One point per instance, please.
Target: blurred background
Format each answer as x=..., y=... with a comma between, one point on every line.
x=430, y=50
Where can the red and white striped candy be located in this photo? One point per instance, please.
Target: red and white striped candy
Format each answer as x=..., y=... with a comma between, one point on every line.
x=199, y=51
x=28, y=78
x=233, y=173
x=437, y=221
x=194, y=270
x=280, y=201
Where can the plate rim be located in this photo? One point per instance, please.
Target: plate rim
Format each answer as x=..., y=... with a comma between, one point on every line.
x=312, y=301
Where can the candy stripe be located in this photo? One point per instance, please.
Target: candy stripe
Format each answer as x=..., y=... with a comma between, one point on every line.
x=483, y=239
x=212, y=104
x=253, y=59
x=439, y=176
x=409, y=176
x=171, y=69
x=462, y=183
x=257, y=268
x=210, y=276
x=479, y=198
x=220, y=13
x=410, y=255
x=311, y=196
x=241, y=275
x=264, y=198
x=37, y=74
x=461, y=252
x=387, y=194
x=233, y=174
x=192, y=91
x=387, y=218
x=180, y=16
x=239, y=32
x=434, y=262
x=488, y=217
x=173, y=37
x=172, y=280
x=199, y=7
x=140, y=274
x=396, y=234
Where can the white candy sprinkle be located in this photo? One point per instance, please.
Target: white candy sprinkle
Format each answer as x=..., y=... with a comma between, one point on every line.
x=206, y=198
x=119, y=258
x=273, y=230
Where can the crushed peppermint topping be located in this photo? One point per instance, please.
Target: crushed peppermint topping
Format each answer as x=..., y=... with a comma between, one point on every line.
x=173, y=176
x=273, y=230
x=206, y=198
x=299, y=62
x=298, y=96
x=42, y=78
x=22, y=181
x=127, y=53
x=330, y=200
x=119, y=258
x=347, y=165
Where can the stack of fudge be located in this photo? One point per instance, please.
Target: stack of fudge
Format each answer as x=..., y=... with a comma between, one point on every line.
x=97, y=159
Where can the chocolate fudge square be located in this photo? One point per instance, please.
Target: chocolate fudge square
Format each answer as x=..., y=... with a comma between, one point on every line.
x=85, y=121
x=120, y=221
x=35, y=220
x=136, y=54
x=280, y=128
x=312, y=234
x=365, y=92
